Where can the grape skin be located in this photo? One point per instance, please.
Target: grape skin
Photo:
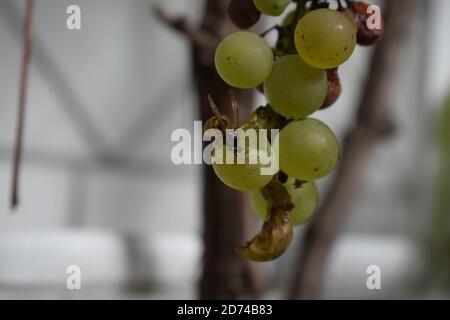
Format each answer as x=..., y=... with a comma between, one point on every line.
x=305, y=199
x=308, y=149
x=325, y=38
x=242, y=177
x=294, y=89
x=271, y=7
x=243, y=59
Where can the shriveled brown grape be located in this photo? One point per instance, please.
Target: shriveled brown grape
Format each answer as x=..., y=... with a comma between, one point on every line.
x=334, y=88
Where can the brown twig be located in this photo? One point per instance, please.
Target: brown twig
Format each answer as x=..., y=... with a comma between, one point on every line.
x=17, y=157
x=372, y=123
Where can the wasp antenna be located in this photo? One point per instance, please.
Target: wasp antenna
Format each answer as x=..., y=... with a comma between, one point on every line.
x=214, y=108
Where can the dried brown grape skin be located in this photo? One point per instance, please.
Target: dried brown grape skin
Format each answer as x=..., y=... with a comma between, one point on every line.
x=365, y=36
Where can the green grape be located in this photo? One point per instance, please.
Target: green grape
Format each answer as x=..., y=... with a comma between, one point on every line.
x=243, y=13
x=308, y=149
x=242, y=177
x=243, y=59
x=271, y=7
x=286, y=40
x=294, y=89
x=325, y=38
x=305, y=199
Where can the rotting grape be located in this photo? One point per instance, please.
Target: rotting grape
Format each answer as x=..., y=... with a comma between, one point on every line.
x=305, y=198
x=276, y=233
x=334, y=88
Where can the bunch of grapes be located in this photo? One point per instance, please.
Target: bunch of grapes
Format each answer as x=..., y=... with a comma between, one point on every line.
x=298, y=77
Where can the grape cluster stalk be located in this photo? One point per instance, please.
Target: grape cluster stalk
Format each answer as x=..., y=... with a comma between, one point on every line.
x=298, y=77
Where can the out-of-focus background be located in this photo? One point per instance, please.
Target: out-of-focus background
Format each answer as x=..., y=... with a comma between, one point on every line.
x=98, y=188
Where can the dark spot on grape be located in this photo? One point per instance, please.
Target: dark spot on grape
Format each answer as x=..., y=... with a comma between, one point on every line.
x=345, y=49
x=316, y=169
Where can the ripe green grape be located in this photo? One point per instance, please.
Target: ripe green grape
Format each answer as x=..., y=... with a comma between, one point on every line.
x=243, y=59
x=305, y=199
x=325, y=38
x=308, y=149
x=294, y=89
x=271, y=7
x=242, y=177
